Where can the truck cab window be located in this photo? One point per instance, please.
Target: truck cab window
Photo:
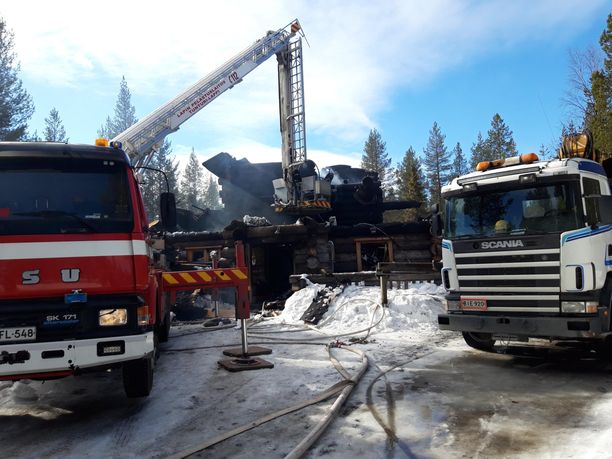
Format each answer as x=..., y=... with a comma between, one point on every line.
x=526, y=210
x=590, y=187
x=63, y=196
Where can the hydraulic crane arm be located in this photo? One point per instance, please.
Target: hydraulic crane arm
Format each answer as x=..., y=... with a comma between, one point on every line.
x=143, y=138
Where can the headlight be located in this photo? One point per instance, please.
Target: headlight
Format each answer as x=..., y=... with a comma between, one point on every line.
x=112, y=317
x=573, y=307
x=579, y=307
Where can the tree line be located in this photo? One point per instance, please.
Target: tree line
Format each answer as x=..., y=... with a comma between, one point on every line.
x=415, y=177
x=195, y=189
x=421, y=178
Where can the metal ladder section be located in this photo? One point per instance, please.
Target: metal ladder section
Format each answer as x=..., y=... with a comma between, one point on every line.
x=296, y=117
x=140, y=140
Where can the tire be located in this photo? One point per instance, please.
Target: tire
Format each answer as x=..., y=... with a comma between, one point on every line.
x=480, y=341
x=138, y=377
x=164, y=328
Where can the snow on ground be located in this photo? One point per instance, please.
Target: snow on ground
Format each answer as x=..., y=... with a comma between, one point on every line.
x=413, y=310
x=447, y=401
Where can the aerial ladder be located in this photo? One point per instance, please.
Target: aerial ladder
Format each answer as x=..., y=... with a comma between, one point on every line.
x=300, y=185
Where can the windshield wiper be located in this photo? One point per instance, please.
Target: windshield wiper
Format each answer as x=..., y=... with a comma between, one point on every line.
x=54, y=214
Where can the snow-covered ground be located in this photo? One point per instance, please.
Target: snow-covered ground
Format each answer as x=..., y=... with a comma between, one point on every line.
x=438, y=398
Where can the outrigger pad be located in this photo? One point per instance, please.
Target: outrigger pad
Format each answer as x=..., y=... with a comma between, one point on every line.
x=244, y=364
x=251, y=350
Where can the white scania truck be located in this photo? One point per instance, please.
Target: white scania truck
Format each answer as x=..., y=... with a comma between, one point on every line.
x=527, y=249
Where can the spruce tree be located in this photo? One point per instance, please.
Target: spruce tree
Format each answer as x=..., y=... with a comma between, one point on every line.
x=411, y=183
x=479, y=152
x=460, y=165
x=54, y=129
x=16, y=106
x=192, y=184
x=437, y=164
x=375, y=159
x=125, y=114
x=499, y=143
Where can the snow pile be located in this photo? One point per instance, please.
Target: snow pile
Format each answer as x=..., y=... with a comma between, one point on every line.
x=356, y=307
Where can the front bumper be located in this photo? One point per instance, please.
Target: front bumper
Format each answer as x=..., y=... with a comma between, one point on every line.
x=527, y=326
x=61, y=358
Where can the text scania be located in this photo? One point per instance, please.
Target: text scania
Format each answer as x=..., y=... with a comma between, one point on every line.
x=501, y=244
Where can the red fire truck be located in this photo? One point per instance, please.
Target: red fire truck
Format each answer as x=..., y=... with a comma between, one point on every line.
x=76, y=288
x=80, y=287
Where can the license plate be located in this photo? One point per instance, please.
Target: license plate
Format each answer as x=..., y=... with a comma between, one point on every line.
x=473, y=304
x=17, y=334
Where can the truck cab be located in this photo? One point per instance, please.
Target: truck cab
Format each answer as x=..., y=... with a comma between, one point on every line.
x=77, y=287
x=527, y=252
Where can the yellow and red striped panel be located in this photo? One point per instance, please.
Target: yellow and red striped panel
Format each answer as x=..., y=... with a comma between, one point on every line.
x=227, y=276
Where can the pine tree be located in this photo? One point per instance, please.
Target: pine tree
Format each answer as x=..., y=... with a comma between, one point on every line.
x=479, y=152
x=106, y=130
x=211, y=198
x=33, y=137
x=125, y=114
x=54, y=129
x=375, y=159
x=459, y=166
x=600, y=119
x=437, y=164
x=16, y=106
x=411, y=183
x=154, y=183
x=545, y=152
x=192, y=184
x=499, y=143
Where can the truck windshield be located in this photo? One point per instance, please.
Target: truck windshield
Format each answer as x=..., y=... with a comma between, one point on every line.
x=535, y=209
x=63, y=195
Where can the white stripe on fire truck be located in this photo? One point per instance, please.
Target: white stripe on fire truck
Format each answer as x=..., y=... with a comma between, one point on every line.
x=70, y=249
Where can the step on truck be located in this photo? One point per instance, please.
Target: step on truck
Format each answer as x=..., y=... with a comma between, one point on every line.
x=527, y=249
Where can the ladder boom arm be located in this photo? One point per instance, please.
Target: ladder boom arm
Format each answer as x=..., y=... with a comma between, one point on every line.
x=140, y=140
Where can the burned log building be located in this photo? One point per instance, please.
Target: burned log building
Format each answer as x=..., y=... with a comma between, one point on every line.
x=350, y=238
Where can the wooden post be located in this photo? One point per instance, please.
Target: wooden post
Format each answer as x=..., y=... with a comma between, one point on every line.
x=384, y=280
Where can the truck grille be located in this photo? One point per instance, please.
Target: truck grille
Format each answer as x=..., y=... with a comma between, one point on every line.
x=512, y=281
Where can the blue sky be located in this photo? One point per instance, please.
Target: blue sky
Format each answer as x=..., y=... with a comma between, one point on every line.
x=396, y=66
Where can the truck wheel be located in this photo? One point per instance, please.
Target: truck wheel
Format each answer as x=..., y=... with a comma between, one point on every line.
x=164, y=328
x=138, y=377
x=480, y=341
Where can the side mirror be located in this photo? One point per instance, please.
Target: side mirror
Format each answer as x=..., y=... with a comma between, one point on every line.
x=435, y=208
x=599, y=210
x=167, y=208
x=436, y=225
